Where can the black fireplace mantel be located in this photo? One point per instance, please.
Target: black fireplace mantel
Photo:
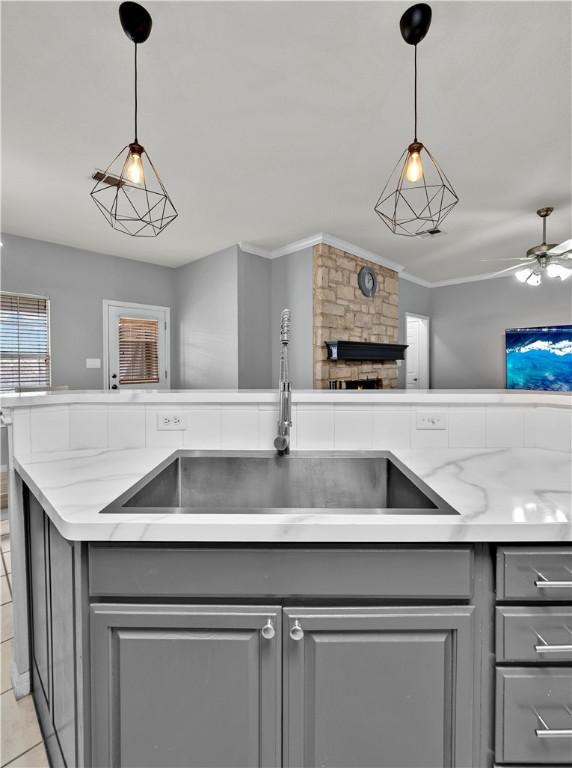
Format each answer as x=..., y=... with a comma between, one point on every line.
x=365, y=351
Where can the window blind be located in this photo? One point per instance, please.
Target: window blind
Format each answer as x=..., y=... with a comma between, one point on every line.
x=138, y=351
x=24, y=342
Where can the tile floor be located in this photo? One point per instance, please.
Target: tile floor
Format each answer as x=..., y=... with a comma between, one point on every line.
x=21, y=743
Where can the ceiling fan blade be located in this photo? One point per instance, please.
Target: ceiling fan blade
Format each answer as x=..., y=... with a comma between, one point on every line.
x=511, y=258
x=560, y=250
x=508, y=269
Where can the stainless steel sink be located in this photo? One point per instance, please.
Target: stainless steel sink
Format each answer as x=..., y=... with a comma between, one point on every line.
x=223, y=482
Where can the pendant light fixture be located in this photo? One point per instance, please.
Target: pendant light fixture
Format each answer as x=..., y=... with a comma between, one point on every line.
x=418, y=195
x=130, y=193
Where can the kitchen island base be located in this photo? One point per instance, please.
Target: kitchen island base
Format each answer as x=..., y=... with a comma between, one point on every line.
x=289, y=655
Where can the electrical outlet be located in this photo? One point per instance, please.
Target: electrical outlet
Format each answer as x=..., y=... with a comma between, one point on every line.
x=431, y=420
x=170, y=421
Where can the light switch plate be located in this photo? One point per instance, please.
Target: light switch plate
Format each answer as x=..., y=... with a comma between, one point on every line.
x=170, y=421
x=431, y=420
x=92, y=362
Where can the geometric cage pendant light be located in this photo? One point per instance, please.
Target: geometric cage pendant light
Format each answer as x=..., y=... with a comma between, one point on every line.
x=418, y=195
x=130, y=193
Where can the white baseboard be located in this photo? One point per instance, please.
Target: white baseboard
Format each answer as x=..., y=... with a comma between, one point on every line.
x=20, y=682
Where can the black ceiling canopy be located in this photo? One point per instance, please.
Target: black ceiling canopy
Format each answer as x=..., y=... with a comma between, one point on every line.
x=414, y=24
x=136, y=21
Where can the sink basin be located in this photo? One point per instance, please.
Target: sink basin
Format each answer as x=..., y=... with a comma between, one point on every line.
x=223, y=482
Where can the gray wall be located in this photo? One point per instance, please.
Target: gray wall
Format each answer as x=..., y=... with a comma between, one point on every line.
x=412, y=298
x=77, y=282
x=292, y=287
x=226, y=312
x=254, y=321
x=207, y=335
x=468, y=323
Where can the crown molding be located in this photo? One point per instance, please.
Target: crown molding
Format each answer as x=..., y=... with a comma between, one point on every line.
x=256, y=250
x=356, y=250
x=417, y=280
x=318, y=239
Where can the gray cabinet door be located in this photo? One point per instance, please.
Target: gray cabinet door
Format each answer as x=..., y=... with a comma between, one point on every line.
x=379, y=687
x=185, y=686
x=38, y=554
x=62, y=628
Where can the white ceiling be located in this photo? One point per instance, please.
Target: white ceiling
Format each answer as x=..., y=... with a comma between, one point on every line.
x=271, y=121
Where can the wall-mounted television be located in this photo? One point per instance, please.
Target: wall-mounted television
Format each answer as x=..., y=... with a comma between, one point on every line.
x=539, y=358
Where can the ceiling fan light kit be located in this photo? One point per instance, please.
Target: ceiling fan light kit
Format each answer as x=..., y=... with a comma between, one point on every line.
x=545, y=258
x=418, y=196
x=130, y=193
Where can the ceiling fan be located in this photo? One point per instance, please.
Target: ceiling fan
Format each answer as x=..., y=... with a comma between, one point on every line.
x=547, y=259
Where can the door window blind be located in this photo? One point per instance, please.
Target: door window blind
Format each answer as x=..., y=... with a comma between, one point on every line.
x=138, y=351
x=24, y=342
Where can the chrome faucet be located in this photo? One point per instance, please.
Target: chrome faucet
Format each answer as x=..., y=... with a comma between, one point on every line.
x=282, y=439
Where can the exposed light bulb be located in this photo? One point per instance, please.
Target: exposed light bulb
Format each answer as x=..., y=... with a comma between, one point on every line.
x=414, y=167
x=535, y=279
x=134, y=167
x=523, y=274
x=558, y=270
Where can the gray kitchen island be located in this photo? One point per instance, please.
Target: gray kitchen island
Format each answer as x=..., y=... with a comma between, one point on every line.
x=167, y=633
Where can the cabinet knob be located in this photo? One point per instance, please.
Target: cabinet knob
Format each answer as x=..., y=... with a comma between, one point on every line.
x=296, y=631
x=268, y=630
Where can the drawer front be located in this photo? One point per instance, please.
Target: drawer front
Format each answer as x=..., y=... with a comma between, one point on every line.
x=539, y=573
x=534, y=715
x=205, y=572
x=539, y=634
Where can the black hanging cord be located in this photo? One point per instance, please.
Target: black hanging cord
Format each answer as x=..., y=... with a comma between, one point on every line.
x=415, y=98
x=136, y=140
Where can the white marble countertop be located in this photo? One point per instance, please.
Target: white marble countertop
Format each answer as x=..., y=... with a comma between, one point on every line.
x=509, y=495
x=232, y=396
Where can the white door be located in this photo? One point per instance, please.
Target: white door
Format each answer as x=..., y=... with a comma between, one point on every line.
x=417, y=353
x=137, y=340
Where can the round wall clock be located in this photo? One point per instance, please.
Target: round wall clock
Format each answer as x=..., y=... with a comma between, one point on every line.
x=367, y=281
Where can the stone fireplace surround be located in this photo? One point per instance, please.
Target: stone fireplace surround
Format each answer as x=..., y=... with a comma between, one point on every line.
x=341, y=311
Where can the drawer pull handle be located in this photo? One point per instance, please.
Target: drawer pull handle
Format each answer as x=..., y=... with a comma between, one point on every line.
x=268, y=630
x=553, y=648
x=543, y=583
x=553, y=584
x=547, y=648
x=552, y=733
x=296, y=631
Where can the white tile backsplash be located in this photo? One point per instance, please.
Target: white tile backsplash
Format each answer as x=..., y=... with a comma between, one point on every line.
x=467, y=427
x=203, y=428
x=553, y=428
x=239, y=428
x=126, y=426
x=529, y=427
x=353, y=428
x=429, y=438
x=159, y=438
x=49, y=428
x=505, y=427
x=20, y=433
x=88, y=426
x=391, y=428
x=315, y=428
x=267, y=425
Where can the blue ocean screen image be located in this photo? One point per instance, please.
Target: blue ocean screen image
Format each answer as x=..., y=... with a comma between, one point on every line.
x=539, y=358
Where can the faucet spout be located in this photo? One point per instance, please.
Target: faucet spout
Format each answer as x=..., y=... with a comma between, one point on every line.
x=282, y=439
